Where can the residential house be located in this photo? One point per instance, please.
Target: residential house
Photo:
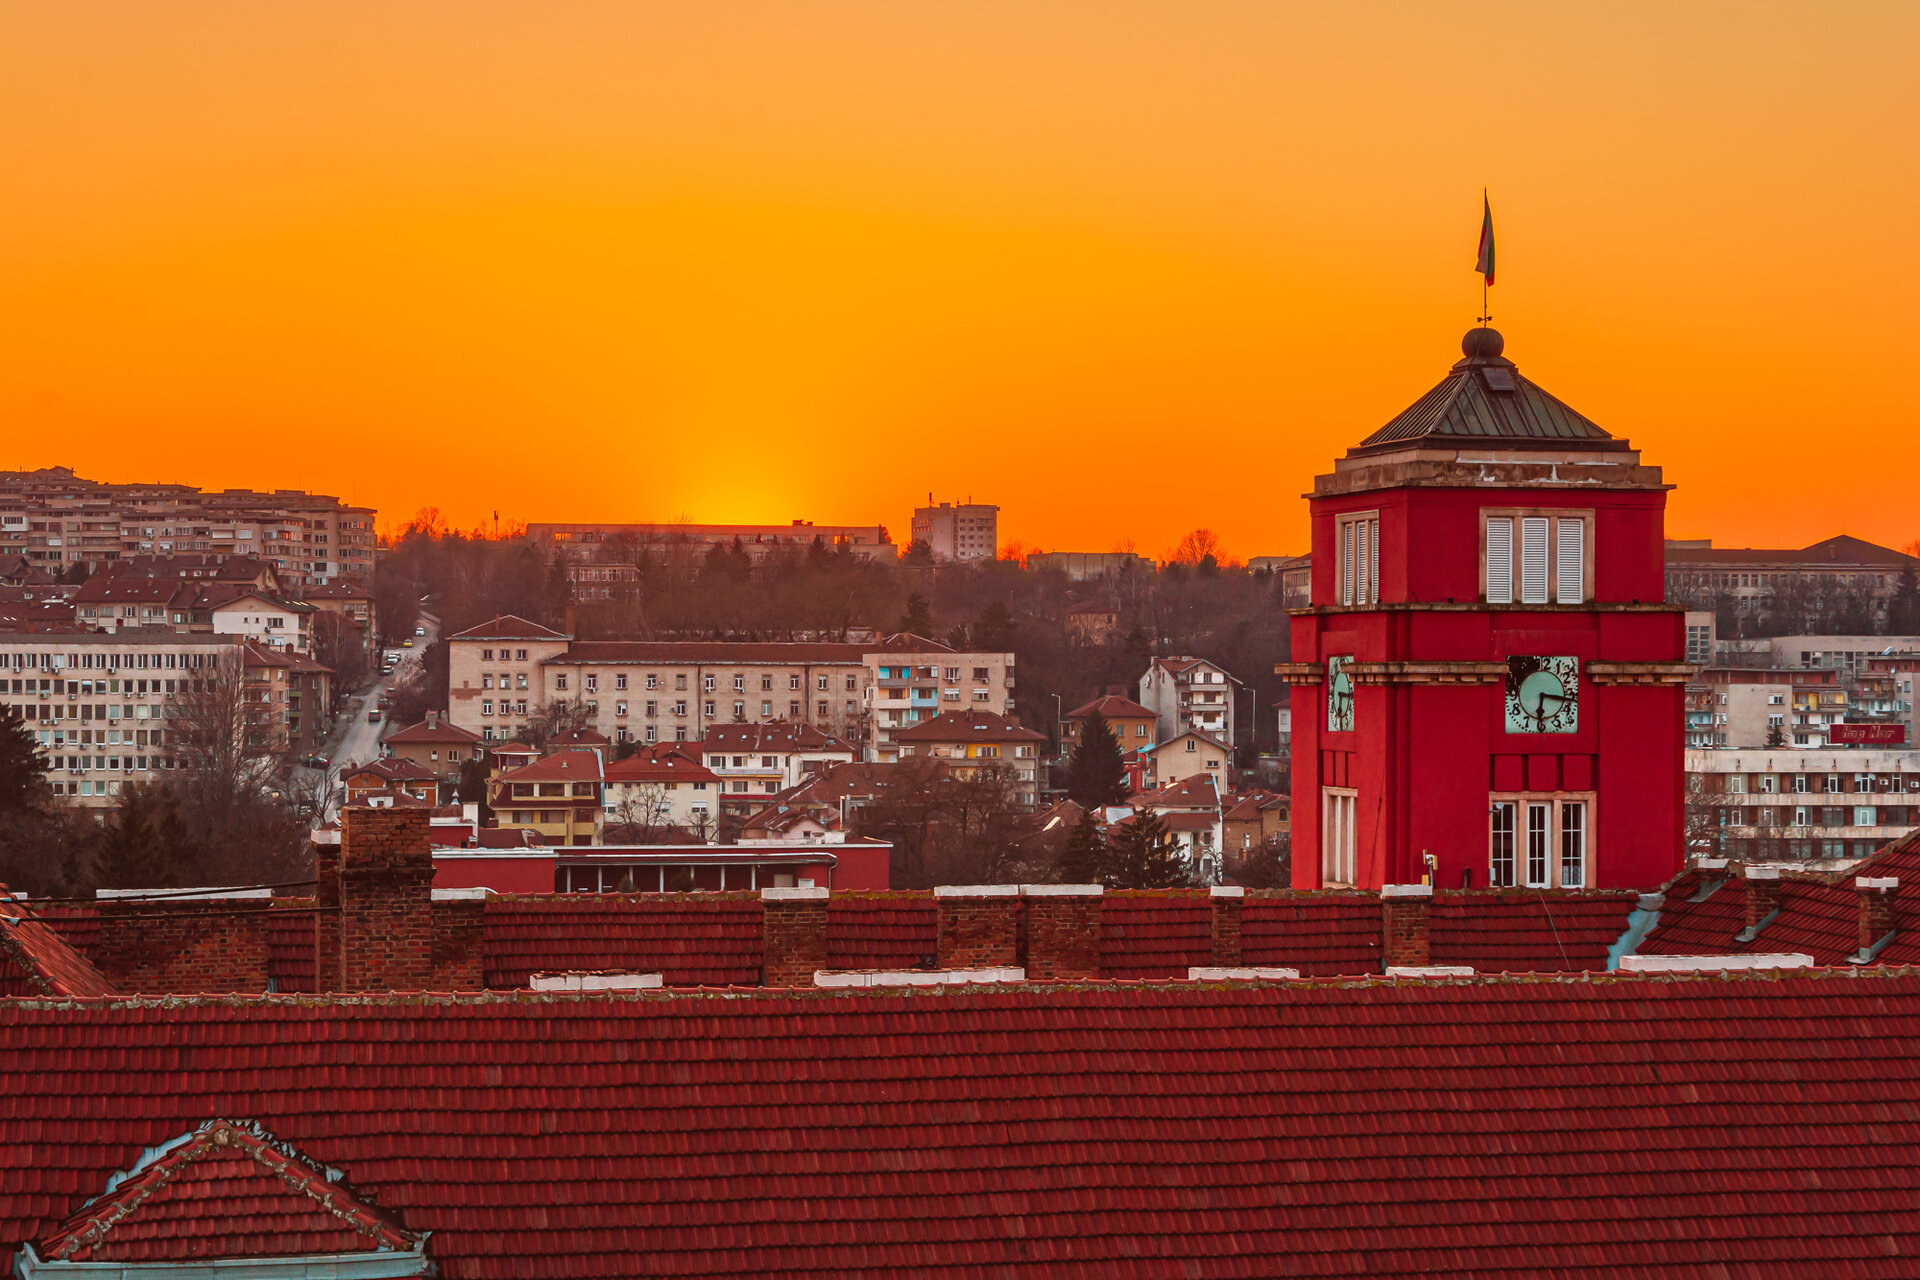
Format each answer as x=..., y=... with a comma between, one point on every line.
x=755, y=762
x=1092, y=623
x=1190, y=693
x=557, y=797
x=969, y=742
x=1251, y=819
x=1194, y=817
x=391, y=774
x=911, y=679
x=1135, y=728
x=660, y=787
x=436, y=745
x=1192, y=754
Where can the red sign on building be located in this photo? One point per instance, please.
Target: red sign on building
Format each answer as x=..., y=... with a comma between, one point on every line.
x=1866, y=735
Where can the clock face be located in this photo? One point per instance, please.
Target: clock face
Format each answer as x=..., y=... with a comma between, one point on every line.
x=1339, y=695
x=1543, y=694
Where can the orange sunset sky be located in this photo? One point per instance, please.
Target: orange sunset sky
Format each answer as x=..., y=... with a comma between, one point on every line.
x=1125, y=269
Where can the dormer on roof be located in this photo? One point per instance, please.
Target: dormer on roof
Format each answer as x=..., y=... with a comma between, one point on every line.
x=227, y=1192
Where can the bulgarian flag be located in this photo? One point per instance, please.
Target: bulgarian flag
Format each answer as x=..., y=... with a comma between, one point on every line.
x=1485, y=265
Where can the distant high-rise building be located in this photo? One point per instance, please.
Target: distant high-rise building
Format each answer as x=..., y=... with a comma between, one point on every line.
x=958, y=531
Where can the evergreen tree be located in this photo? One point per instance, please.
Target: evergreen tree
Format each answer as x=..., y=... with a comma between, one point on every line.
x=1083, y=860
x=145, y=844
x=994, y=627
x=1097, y=774
x=23, y=773
x=1145, y=857
x=1776, y=736
x=918, y=618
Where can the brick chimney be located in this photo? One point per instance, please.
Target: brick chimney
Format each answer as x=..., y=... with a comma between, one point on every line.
x=979, y=925
x=1063, y=931
x=1877, y=896
x=794, y=926
x=1226, y=900
x=1762, y=902
x=374, y=927
x=1403, y=925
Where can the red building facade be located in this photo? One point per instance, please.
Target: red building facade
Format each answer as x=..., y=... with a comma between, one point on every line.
x=1488, y=682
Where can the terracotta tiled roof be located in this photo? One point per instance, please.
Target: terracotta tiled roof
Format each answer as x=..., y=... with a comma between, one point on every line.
x=1527, y=930
x=1196, y=792
x=509, y=627
x=668, y=762
x=1318, y=934
x=1207, y=738
x=710, y=939
x=224, y=1190
x=1488, y=1129
x=434, y=731
x=1112, y=707
x=881, y=930
x=1150, y=934
x=578, y=738
x=561, y=766
x=772, y=737
x=907, y=642
x=968, y=726
x=392, y=769
x=37, y=959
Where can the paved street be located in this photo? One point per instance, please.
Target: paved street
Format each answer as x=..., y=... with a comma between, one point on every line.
x=361, y=742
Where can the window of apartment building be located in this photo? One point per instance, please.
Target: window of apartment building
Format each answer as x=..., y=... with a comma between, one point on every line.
x=519, y=655
x=793, y=682
x=793, y=711
x=593, y=682
x=853, y=709
x=1550, y=562
x=853, y=684
x=739, y=711
x=821, y=683
x=1339, y=809
x=620, y=708
x=952, y=673
x=980, y=673
x=706, y=684
x=739, y=683
x=680, y=682
x=1801, y=782
x=679, y=733
x=560, y=683
x=1863, y=815
x=1358, y=538
x=653, y=708
x=620, y=682
x=981, y=695
x=707, y=709
x=823, y=711
x=766, y=684
x=653, y=680
x=1539, y=841
x=486, y=681
x=486, y=706
x=486, y=655
x=1763, y=783
x=650, y=732
x=680, y=707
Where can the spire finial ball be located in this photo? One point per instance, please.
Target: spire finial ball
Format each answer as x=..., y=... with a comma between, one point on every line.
x=1483, y=344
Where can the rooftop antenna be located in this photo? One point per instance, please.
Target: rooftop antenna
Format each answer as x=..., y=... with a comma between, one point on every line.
x=1484, y=265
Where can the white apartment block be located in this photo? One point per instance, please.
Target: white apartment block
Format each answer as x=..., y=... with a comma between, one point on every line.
x=98, y=704
x=502, y=672
x=958, y=531
x=1797, y=805
x=1190, y=693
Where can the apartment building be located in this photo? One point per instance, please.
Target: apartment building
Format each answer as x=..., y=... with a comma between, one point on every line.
x=57, y=519
x=98, y=704
x=1190, y=693
x=649, y=691
x=1081, y=566
x=557, y=798
x=755, y=762
x=1698, y=572
x=971, y=742
x=911, y=679
x=868, y=541
x=958, y=530
x=1800, y=805
x=664, y=785
x=1193, y=754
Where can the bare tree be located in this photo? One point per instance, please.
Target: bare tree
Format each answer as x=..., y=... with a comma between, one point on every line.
x=229, y=735
x=552, y=719
x=1199, y=545
x=642, y=812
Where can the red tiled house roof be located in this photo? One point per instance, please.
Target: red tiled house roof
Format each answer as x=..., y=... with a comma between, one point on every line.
x=37, y=959
x=1146, y=933
x=1111, y=707
x=704, y=940
x=509, y=627
x=225, y=1190
x=1527, y=930
x=1629, y=1127
x=1319, y=934
x=895, y=930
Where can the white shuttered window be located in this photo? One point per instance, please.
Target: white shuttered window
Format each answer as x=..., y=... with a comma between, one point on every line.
x=1346, y=563
x=1570, y=561
x=1533, y=560
x=1499, y=559
x=1359, y=559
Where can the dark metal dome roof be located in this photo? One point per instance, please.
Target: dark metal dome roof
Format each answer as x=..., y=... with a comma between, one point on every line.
x=1484, y=398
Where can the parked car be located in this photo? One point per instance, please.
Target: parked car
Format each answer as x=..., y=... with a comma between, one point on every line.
x=314, y=761
x=420, y=631
x=374, y=714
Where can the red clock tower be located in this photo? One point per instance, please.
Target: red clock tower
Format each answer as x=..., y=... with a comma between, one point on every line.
x=1488, y=684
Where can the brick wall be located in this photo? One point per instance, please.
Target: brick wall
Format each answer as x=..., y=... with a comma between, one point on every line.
x=979, y=926
x=183, y=946
x=1227, y=902
x=385, y=887
x=459, y=931
x=795, y=921
x=1405, y=910
x=1063, y=932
